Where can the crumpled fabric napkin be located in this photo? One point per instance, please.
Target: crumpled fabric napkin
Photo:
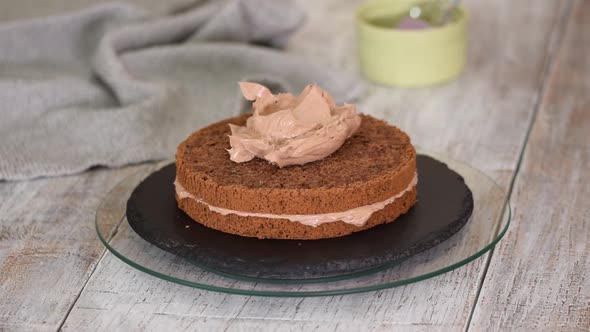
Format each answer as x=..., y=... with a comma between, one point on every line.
x=112, y=85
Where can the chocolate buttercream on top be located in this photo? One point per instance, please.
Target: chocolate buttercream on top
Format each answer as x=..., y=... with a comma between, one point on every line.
x=288, y=130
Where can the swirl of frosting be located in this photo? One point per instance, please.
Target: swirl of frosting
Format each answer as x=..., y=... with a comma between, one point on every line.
x=289, y=130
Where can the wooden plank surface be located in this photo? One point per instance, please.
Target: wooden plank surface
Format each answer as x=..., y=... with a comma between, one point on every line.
x=481, y=118
x=48, y=246
x=539, y=277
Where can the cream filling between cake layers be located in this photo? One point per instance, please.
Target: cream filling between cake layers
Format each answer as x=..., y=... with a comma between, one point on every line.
x=356, y=216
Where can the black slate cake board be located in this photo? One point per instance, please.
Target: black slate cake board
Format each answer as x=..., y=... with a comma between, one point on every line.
x=444, y=206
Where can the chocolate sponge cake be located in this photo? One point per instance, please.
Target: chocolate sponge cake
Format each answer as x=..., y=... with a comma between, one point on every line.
x=370, y=180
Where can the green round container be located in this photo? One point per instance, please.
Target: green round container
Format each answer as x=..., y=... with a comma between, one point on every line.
x=408, y=58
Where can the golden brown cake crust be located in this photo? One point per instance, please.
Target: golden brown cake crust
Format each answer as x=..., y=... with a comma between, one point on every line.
x=373, y=165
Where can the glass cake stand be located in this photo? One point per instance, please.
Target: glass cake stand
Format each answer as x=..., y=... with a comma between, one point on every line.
x=488, y=224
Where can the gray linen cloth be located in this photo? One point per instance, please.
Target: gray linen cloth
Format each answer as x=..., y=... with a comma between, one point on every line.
x=112, y=85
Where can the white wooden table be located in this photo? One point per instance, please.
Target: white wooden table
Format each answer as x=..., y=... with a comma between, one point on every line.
x=520, y=113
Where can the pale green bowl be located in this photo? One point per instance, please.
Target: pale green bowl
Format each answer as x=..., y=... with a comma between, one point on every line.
x=408, y=58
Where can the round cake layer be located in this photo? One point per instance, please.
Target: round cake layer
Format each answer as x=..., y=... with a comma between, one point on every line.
x=265, y=228
x=376, y=163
